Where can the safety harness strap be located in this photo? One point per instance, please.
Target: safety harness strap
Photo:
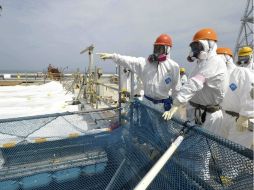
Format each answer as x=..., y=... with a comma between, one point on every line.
x=209, y=108
x=200, y=117
x=167, y=102
x=153, y=100
x=234, y=114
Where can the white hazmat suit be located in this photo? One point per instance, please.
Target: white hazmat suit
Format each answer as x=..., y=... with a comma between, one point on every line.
x=239, y=99
x=250, y=65
x=204, y=90
x=157, y=78
x=229, y=63
x=206, y=87
x=245, y=57
x=183, y=79
x=159, y=73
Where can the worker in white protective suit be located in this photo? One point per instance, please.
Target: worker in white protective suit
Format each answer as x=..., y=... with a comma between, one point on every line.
x=205, y=88
x=227, y=56
x=183, y=111
x=158, y=73
x=229, y=117
x=238, y=104
x=245, y=57
x=183, y=75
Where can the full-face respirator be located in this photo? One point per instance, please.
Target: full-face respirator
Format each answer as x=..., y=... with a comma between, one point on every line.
x=197, y=51
x=159, y=54
x=242, y=60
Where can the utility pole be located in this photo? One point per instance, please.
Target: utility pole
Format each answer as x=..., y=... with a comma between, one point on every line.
x=245, y=36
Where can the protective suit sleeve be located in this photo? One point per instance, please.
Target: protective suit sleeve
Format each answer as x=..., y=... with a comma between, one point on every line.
x=105, y=55
x=247, y=93
x=251, y=65
x=189, y=89
x=184, y=79
x=133, y=63
x=177, y=83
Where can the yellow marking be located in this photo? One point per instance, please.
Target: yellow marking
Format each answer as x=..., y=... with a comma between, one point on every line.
x=40, y=140
x=108, y=129
x=226, y=180
x=9, y=145
x=55, y=161
x=73, y=135
x=124, y=90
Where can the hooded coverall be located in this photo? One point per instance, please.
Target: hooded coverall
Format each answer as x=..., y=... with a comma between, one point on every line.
x=158, y=78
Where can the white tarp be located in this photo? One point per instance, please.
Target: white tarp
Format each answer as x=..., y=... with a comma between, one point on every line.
x=58, y=129
x=51, y=128
x=20, y=101
x=7, y=76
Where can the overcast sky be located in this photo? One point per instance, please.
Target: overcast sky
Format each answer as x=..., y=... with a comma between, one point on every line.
x=36, y=33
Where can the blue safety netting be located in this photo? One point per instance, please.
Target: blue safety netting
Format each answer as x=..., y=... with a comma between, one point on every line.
x=119, y=158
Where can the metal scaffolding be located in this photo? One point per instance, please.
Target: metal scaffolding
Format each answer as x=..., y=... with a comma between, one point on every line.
x=245, y=36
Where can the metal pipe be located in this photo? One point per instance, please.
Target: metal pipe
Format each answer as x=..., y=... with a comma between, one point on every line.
x=149, y=177
x=96, y=87
x=110, y=87
x=115, y=176
x=132, y=85
x=119, y=92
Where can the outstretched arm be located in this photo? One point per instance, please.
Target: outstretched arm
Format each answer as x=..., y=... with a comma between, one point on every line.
x=134, y=64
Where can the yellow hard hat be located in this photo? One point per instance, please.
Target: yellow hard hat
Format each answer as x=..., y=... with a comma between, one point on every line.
x=245, y=51
x=182, y=70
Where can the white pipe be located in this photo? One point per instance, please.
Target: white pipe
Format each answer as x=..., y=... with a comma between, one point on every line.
x=149, y=177
x=132, y=85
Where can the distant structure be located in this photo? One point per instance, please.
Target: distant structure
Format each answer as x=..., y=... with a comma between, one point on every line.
x=245, y=36
x=53, y=73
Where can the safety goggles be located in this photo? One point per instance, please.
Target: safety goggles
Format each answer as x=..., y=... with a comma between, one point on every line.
x=196, y=47
x=159, y=49
x=243, y=60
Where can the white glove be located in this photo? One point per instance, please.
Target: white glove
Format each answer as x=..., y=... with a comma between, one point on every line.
x=167, y=115
x=105, y=55
x=242, y=123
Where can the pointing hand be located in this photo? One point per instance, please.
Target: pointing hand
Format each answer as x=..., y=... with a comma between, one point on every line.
x=105, y=55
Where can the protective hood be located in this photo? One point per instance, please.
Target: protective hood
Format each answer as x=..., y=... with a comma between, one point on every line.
x=249, y=64
x=228, y=60
x=202, y=50
x=210, y=48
